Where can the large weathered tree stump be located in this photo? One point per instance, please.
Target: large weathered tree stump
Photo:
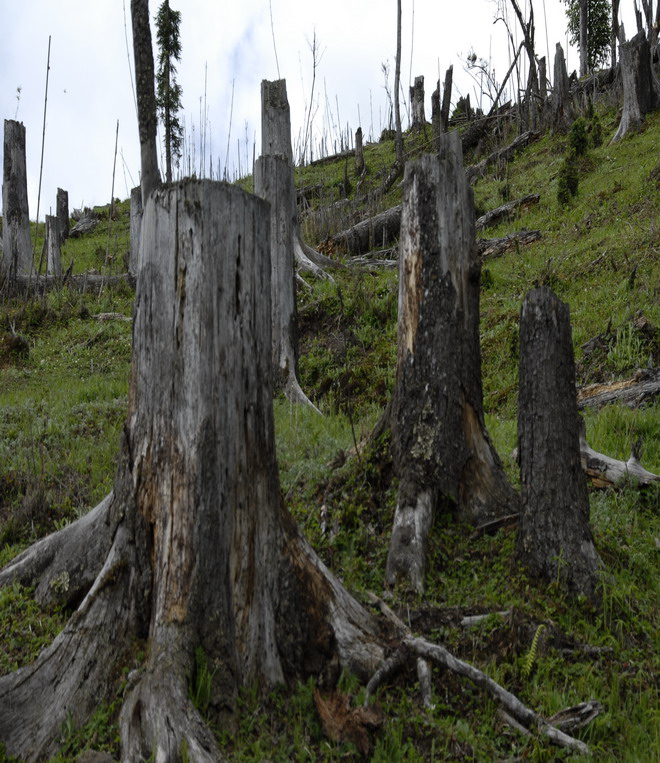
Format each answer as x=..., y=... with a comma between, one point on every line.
x=193, y=549
x=554, y=536
x=17, y=257
x=441, y=450
x=641, y=92
x=417, y=104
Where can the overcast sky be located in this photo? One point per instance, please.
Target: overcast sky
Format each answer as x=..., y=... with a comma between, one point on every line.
x=228, y=46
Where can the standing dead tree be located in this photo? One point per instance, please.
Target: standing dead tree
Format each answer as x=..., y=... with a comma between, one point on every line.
x=273, y=181
x=62, y=211
x=441, y=450
x=17, y=259
x=52, y=245
x=641, y=90
x=276, y=141
x=417, y=104
x=554, y=536
x=562, y=109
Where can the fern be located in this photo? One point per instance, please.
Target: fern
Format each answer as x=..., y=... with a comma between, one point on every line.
x=530, y=657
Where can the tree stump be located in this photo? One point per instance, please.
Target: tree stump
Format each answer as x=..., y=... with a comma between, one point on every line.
x=276, y=141
x=135, y=226
x=17, y=258
x=62, y=211
x=193, y=549
x=641, y=92
x=562, y=110
x=441, y=450
x=52, y=244
x=554, y=536
x=446, y=98
x=417, y=104
x=359, y=153
x=273, y=181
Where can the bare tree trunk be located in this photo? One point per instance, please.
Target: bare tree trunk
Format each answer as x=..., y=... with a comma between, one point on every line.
x=441, y=451
x=584, y=32
x=193, y=549
x=52, y=244
x=417, y=104
x=359, y=152
x=273, y=181
x=135, y=227
x=615, y=33
x=641, y=92
x=446, y=98
x=561, y=100
x=62, y=211
x=398, y=140
x=17, y=259
x=146, y=96
x=276, y=141
x=554, y=536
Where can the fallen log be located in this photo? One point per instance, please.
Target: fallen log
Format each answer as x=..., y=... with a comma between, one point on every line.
x=373, y=233
x=604, y=471
x=92, y=282
x=641, y=388
x=503, y=155
x=495, y=215
x=494, y=247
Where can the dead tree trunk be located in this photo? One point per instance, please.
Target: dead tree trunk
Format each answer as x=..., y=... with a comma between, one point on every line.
x=584, y=32
x=193, y=549
x=52, y=244
x=135, y=226
x=398, y=137
x=562, y=115
x=62, y=211
x=441, y=450
x=446, y=99
x=417, y=104
x=273, y=181
x=359, y=153
x=641, y=92
x=554, y=536
x=276, y=141
x=614, y=39
x=17, y=257
x=146, y=96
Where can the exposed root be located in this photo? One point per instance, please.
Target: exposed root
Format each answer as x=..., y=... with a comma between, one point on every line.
x=64, y=565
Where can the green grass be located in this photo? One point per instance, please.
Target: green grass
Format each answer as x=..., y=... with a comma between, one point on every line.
x=63, y=402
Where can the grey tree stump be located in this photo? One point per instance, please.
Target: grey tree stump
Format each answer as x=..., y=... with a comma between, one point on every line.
x=62, y=213
x=562, y=109
x=193, y=548
x=441, y=450
x=52, y=244
x=554, y=535
x=641, y=92
x=17, y=256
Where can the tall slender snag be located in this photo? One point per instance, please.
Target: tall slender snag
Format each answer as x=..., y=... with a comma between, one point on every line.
x=16, y=259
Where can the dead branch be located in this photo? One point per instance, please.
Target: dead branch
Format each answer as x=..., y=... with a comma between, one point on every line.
x=503, y=155
x=495, y=247
x=641, y=388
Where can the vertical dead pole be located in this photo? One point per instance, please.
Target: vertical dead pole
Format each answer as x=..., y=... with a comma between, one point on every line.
x=17, y=257
x=584, y=33
x=446, y=98
x=641, y=92
x=62, y=211
x=398, y=139
x=561, y=99
x=359, y=152
x=135, y=227
x=276, y=141
x=53, y=254
x=614, y=40
x=273, y=181
x=441, y=450
x=417, y=104
x=554, y=536
x=435, y=112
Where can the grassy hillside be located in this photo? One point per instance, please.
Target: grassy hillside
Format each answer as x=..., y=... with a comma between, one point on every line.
x=63, y=390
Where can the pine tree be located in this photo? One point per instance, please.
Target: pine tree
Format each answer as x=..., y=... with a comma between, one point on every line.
x=168, y=95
